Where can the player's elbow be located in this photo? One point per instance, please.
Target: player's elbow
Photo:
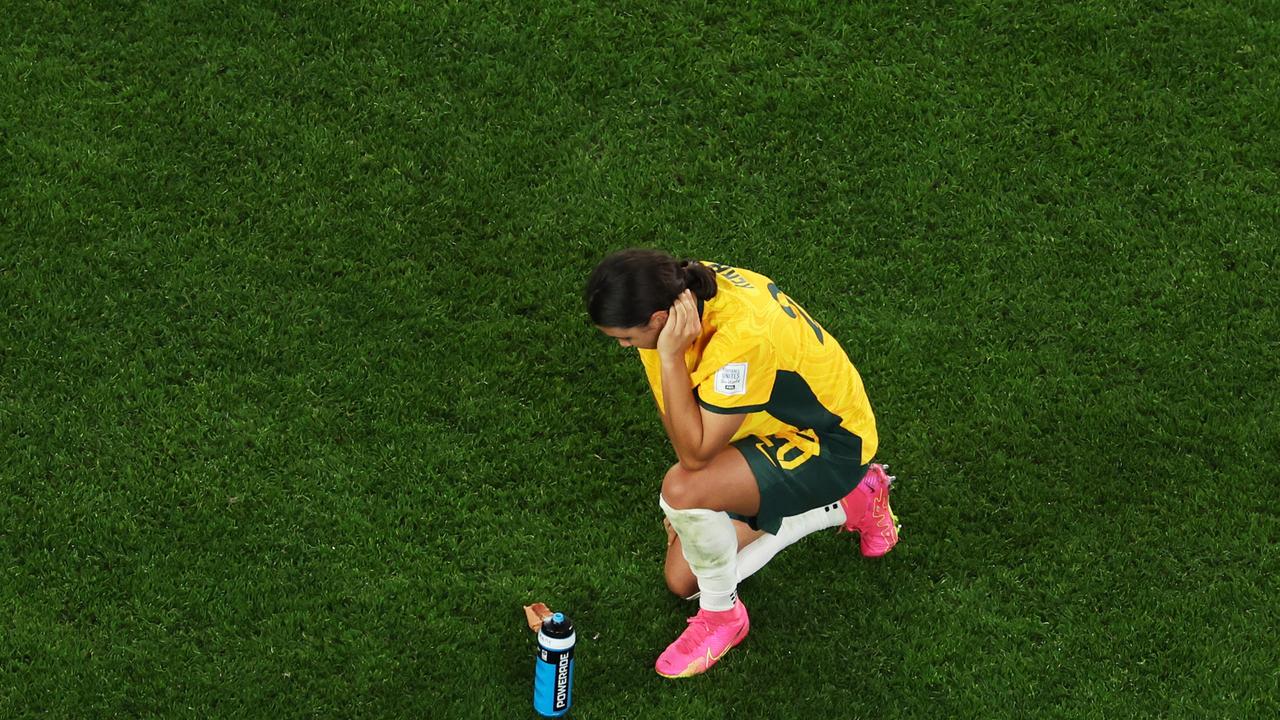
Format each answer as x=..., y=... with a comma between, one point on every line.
x=699, y=459
x=693, y=464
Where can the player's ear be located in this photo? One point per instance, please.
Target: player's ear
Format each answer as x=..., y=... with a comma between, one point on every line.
x=658, y=320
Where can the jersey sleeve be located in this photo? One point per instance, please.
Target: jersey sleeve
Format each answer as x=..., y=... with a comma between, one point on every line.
x=653, y=373
x=735, y=378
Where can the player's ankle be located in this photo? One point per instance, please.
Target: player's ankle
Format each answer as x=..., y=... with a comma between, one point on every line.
x=723, y=615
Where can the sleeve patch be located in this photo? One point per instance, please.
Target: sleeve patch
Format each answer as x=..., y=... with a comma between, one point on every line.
x=732, y=379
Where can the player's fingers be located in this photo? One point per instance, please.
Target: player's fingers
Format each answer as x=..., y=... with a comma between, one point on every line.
x=675, y=319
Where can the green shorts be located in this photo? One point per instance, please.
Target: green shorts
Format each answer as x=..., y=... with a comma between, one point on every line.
x=788, y=487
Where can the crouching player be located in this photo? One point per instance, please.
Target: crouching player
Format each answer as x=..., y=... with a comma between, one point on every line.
x=769, y=420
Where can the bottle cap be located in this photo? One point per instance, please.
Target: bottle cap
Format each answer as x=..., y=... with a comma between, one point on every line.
x=558, y=626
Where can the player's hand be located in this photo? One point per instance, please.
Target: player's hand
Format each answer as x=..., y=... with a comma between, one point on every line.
x=682, y=328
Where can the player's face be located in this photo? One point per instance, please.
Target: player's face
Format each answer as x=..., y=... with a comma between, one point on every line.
x=641, y=336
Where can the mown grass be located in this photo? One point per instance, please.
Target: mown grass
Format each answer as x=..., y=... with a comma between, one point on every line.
x=299, y=404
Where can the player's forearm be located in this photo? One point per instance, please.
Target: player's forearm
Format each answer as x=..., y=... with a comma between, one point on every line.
x=666, y=422
x=682, y=418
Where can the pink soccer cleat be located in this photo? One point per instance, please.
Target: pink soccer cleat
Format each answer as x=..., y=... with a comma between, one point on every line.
x=867, y=512
x=706, y=640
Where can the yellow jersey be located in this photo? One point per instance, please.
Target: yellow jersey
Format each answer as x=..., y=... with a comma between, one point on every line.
x=761, y=354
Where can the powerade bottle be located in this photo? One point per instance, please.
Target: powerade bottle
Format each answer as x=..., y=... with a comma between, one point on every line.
x=553, y=671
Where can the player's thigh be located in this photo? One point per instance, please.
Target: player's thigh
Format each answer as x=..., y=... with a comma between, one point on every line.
x=727, y=483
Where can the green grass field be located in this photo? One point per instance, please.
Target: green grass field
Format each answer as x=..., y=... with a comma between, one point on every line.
x=299, y=403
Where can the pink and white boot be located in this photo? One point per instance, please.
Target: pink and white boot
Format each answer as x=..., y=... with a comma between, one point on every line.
x=867, y=512
x=709, y=636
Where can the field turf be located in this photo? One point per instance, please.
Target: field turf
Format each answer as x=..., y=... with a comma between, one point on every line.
x=299, y=404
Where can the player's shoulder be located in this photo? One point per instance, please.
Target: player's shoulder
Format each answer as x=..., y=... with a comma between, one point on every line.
x=736, y=338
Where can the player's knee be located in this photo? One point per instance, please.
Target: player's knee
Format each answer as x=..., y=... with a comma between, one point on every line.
x=678, y=488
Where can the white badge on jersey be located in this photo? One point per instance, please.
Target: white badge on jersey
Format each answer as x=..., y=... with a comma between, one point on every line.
x=732, y=379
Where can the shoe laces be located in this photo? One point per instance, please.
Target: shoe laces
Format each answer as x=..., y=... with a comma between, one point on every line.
x=700, y=628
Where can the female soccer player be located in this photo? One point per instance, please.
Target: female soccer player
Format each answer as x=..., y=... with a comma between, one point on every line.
x=769, y=420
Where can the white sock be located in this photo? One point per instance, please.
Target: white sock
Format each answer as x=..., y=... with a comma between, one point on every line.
x=710, y=546
x=754, y=556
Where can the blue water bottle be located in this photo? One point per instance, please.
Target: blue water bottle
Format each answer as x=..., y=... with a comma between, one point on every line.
x=553, y=672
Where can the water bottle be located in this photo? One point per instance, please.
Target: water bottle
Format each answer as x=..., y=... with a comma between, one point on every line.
x=553, y=671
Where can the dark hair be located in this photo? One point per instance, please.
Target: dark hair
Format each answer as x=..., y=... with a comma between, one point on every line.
x=629, y=286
